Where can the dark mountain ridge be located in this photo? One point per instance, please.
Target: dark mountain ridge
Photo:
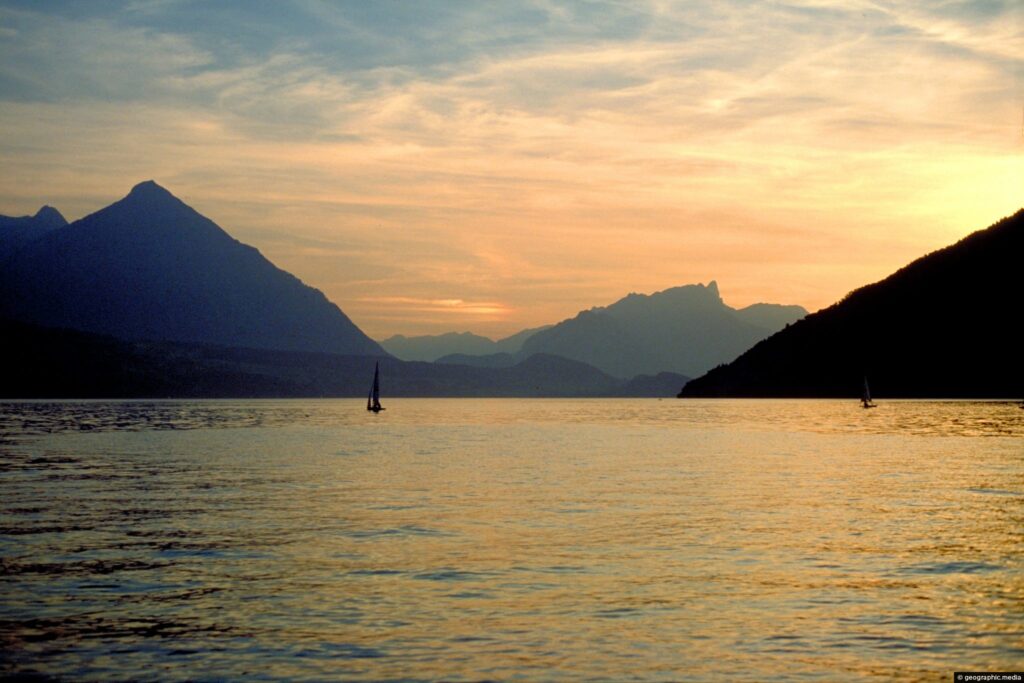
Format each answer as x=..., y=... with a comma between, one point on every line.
x=944, y=326
x=45, y=362
x=150, y=267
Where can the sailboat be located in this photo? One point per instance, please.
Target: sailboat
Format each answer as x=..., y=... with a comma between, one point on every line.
x=865, y=399
x=373, y=400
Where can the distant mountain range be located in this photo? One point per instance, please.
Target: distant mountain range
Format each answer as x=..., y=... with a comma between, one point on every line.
x=947, y=325
x=150, y=267
x=42, y=362
x=431, y=347
x=685, y=330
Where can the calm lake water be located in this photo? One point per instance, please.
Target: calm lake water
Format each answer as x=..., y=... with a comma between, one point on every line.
x=511, y=540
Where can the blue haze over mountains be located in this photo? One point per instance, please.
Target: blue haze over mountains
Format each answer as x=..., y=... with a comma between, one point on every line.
x=147, y=297
x=150, y=269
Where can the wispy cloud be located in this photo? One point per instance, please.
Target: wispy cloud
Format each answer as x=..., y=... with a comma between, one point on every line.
x=538, y=156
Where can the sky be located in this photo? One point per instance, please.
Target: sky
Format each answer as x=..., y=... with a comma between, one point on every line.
x=491, y=166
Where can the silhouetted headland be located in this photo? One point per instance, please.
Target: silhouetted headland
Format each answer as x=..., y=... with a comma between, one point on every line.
x=945, y=326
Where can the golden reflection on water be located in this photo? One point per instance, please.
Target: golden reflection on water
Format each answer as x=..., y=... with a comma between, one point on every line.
x=656, y=540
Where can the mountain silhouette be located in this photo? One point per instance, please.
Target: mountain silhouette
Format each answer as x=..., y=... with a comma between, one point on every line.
x=151, y=267
x=433, y=347
x=685, y=330
x=16, y=232
x=947, y=325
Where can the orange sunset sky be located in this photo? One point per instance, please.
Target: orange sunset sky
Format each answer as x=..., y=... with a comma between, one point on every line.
x=491, y=166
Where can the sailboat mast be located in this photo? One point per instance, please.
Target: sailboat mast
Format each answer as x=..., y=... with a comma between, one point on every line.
x=373, y=399
x=376, y=386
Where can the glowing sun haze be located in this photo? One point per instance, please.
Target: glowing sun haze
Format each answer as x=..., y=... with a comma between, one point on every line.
x=491, y=166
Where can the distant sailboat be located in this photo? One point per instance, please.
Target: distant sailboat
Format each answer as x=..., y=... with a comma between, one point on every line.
x=865, y=399
x=373, y=400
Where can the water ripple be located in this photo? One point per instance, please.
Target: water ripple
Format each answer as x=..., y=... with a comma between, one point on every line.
x=509, y=540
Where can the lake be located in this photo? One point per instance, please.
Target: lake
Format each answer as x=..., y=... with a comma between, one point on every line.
x=497, y=539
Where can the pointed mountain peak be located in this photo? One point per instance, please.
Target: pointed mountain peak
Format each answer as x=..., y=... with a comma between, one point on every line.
x=50, y=217
x=712, y=287
x=151, y=199
x=148, y=189
x=150, y=267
